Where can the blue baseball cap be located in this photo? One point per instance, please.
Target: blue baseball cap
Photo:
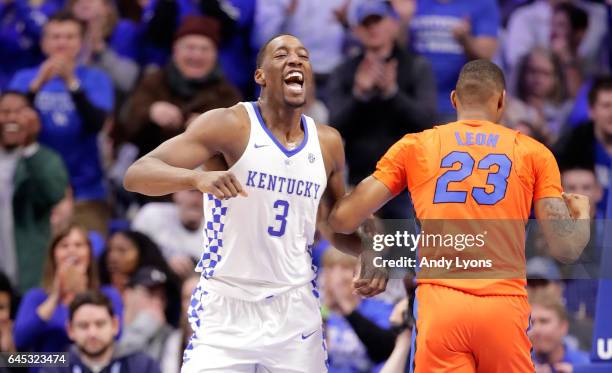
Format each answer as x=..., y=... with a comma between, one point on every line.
x=370, y=8
x=542, y=268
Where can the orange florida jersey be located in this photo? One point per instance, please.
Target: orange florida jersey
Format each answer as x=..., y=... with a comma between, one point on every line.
x=471, y=170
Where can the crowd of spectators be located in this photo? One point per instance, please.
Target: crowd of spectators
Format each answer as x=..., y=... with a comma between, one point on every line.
x=87, y=86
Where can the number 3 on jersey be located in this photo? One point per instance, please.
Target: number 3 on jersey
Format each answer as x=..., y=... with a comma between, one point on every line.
x=282, y=207
x=499, y=179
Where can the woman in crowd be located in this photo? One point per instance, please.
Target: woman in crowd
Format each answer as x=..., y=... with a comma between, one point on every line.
x=541, y=84
x=129, y=251
x=41, y=320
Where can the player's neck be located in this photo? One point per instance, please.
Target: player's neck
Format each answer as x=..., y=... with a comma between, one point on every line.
x=476, y=115
x=281, y=118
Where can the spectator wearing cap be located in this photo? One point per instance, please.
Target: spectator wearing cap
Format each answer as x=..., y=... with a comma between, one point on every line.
x=382, y=93
x=73, y=101
x=543, y=273
x=549, y=331
x=146, y=326
x=93, y=326
x=450, y=33
x=191, y=82
x=33, y=179
x=236, y=54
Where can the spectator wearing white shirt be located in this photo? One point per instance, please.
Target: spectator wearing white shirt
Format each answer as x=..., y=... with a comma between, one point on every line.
x=176, y=227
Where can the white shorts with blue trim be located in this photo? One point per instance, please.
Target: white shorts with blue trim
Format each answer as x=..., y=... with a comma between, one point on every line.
x=278, y=334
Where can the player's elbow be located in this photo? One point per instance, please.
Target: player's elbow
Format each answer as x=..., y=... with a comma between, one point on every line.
x=341, y=223
x=130, y=180
x=569, y=251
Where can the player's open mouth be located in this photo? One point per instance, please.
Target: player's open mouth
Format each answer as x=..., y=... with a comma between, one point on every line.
x=295, y=81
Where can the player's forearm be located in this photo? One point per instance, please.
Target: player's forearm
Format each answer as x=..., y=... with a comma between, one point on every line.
x=153, y=177
x=566, y=236
x=342, y=220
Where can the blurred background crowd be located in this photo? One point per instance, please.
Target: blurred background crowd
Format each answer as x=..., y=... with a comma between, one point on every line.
x=88, y=86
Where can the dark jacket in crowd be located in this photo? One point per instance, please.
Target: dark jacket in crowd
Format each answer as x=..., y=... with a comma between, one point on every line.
x=191, y=96
x=575, y=148
x=371, y=127
x=124, y=360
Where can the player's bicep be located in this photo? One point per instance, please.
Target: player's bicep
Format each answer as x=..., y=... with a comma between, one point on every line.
x=200, y=142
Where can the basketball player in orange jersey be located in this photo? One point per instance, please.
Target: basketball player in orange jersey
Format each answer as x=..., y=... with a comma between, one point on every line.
x=473, y=169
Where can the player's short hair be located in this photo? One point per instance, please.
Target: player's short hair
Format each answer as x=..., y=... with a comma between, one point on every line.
x=93, y=297
x=546, y=298
x=602, y=83
x=478, y=81
x=262, y=51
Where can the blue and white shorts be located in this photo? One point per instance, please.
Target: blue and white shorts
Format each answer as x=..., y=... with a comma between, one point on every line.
x=278, y=334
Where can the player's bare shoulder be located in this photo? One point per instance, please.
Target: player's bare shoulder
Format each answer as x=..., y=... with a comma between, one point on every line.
x=227, y=128
x=331, y=147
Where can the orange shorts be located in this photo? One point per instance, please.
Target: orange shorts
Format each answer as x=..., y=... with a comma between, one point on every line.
x=463, y=333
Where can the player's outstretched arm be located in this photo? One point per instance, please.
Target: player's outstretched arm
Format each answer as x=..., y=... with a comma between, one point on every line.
x=356, y=207
x=171, y=166
x=566, y=225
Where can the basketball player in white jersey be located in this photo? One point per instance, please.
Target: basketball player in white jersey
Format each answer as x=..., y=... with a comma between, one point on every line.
x=268, y=166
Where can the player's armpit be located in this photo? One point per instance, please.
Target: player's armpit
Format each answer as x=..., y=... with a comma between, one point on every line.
x=566, y=225
x=353, y=209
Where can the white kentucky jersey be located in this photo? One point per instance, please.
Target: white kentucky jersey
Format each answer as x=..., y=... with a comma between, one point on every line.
x=259, y=246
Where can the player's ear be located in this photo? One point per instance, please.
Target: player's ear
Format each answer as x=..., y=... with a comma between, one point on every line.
x=453, y=98
x=501, y=104
x=260, y=77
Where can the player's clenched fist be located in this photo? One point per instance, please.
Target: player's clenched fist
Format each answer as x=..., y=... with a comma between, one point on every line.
x=221, y=184
x=370, y=280
x=578, y=205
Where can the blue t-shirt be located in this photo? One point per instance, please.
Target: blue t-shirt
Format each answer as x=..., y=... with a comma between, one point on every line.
x=34, y=334
x=431, y=35
x=346, y=352
x=571, y=355
x=63, y=130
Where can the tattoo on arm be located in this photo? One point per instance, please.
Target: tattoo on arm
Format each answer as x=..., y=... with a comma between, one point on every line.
x=559, y=217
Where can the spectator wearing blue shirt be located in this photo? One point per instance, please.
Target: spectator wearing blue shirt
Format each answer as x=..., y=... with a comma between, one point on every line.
x=70, y=269
x=594, y=139
x=347, y=313
x=551, y=354
x=21, y=23
x=73, y=101
x=450, y=33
